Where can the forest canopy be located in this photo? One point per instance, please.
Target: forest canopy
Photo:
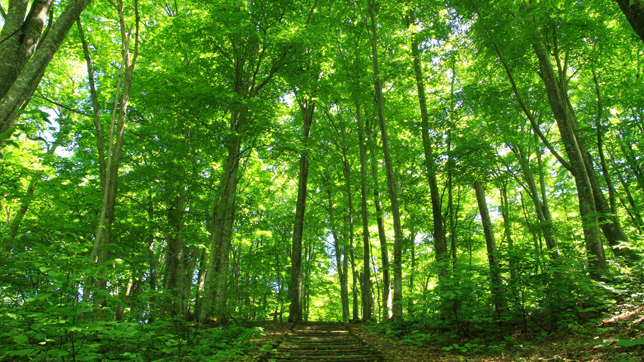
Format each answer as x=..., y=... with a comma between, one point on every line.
x=456, y=166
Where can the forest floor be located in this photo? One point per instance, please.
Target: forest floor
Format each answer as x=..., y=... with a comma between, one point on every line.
x=606, y=340
x=597, y=342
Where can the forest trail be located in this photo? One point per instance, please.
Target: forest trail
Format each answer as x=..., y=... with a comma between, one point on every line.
x=322, y=341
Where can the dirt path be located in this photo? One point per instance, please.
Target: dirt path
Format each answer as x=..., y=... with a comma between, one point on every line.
x=322, y=341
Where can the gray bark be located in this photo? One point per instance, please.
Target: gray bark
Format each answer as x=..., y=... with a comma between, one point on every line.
x=500, y=303
x=367, y=302
x=634, y=12
x=339, y=261
x=384, y=251
x=20, y=81
x=295, y=288
x=397, y=302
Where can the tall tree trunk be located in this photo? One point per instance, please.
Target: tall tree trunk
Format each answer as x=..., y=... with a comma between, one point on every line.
x=609, y=219
x=453, y=212
x=500, y=303
x=507, y=228
x=175, y=259
x=397, y=302
x=307, y=107
x=367, y=302
x=576, y=152
x=221, y=238
x=100, y=252
x=346, y=171
x=339, y=260
x=384, y=251
x=20, y=35
x=440, y=238
x=187, y=282
x=534, y=193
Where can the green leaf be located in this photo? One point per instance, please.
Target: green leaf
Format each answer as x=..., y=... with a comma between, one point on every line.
x=627, y=343
x=21, y=339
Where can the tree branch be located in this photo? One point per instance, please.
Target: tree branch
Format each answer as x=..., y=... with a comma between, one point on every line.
x=63, y=106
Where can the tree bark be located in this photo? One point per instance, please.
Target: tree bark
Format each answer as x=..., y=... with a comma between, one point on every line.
x=440, y=238
x=384, y=251
x=367, y=302
x=340, y=264
x=101, y=249
x=175, y=258
x=20, y=81
x=221, y=238
x=507, y=228
x=397, y=302
x=576, y=151
x=539, y=206
x=295, y=288
x=500, y=303
x=634, y=12
x=609, y=220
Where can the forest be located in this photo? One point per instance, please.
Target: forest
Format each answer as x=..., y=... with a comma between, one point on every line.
x=185, y=180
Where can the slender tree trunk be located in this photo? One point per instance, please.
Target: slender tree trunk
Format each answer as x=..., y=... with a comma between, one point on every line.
x=397, y=302
x=609, y=219
x=636, y=214
x=201, y=279
x=453, y=212
x=346, y=171
x=367, y=302
x=384, y=251
x=539, y=208
x=295, y=288
x=440, y=238
x=412, y=274
x=100, y=252
x=507, y=228
x=187, y=282
x=339, y=260
x=493, y=258
x=535, y=241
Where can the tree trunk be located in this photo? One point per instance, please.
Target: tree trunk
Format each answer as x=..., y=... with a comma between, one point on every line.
x=575, y=150
x=539, y=207
x=221, y=238
x=397, y=302
x=440, y=238
x=295, y=288
x=453, y=212
x=367, y=302
x=507, y=228
x=20, y=76
x=608, y=217
x=100, y=252
x=175, y=258
x=634, y=12
x=384, y=251
x=346, y=171
x=339, y=260
x=493, y=258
